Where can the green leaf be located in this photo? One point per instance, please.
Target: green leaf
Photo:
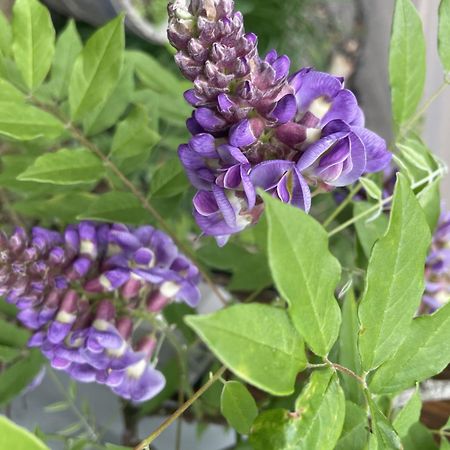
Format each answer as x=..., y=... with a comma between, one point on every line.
x=315, y=424
x=14, y=437
x=13, y=336
x=24, y=122
x=116, y=207
x=133, y=141
x=153, y=75
x=430, y=201
x=348, y=348
x=384, y=435
x=355, y=431
x=18, y=376
x=371, y=188
x=445, y=444
x=424, y=353
x=419, y=438
x=62, y=208
x=408, y=415
x=8, y=354
x=305, y=273
x=369, y=231
x=68, y=47
x=444, y=34
x=97, y=69
x=407, y=65
x=5, y=35
x=394, y=281
x=238, y=406
x=257, y=342
x=169, y=179
x=34, y=41
x=106, y=114
x=65, y=167
x=9, y=93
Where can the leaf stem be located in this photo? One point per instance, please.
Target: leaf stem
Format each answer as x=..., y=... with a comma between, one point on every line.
x=437, y=173
x=342, y=206
x=145, y=444
x=340, y=368
x=91, y=432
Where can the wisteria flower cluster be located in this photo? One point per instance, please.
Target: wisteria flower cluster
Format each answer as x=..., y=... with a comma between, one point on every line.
x=256, y=126
x=77, y=291
x=437, y=269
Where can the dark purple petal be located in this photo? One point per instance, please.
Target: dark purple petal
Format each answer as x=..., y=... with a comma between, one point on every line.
x=267, y=174
x=284, y=110
x=209, y=120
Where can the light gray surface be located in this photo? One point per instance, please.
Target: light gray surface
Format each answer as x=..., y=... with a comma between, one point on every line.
x=373, y=85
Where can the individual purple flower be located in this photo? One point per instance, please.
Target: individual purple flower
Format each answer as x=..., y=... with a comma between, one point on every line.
x=56, y=279
x=437, y=268
x=254, y=126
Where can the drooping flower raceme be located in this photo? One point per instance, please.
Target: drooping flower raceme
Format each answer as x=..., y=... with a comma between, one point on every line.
x=254, y=126
x=78, y=290
x=437, y=268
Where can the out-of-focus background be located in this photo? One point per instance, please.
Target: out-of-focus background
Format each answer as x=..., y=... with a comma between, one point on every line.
x=346, y=37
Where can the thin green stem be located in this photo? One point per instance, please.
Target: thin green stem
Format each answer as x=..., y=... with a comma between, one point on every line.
x=340, y=368
x=342, y=206
x=62, y=389
x=437, y=173
x=145, y=444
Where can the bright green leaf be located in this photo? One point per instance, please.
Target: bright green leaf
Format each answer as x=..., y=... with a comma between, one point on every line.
x=384, y=435
x=153, y=74
x=371, y=188
x=394, y=281
x=348, y=348
x=97, y=69
x=116, y=207
x=408, y=415
x=66, y=167
x=257, y=342
x=14, y=437
x=18, y=376
x=430, y=201
x=116, y=447
x=444, y=34
x=238, y=406
x=62, y=208
x=8, y=354
x=133, y=141
x=13, y=336
x=423, y=353
x=369, y=231
x=9, y=93
x=106, y=114
x=169, y=179
x=406, y=61
x=315, y=424
x=24, y=122
x=355, y=431
x=34, y=41
x=419, y=438
x=68, y=47
x=305, y=273
x=5, y=35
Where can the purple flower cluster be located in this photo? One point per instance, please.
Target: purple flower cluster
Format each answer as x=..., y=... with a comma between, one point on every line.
x=437, y=268
x=77, y=291
x=254, y=126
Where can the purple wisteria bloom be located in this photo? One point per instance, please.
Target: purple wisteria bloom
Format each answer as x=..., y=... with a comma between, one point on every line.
x=78, y=290
x=437, y=269
x=255, y=126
